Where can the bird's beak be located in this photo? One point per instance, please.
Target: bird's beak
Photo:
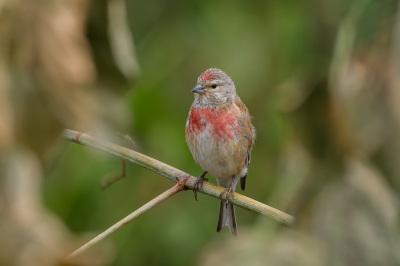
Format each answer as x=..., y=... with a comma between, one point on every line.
x=198, y=89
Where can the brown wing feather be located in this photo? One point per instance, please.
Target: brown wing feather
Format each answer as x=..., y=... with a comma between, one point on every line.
x=249, y=135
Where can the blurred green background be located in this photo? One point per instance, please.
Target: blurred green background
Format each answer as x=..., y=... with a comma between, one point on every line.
x=320, y=78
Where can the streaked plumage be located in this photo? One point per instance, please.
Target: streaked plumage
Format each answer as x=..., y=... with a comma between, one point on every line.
x=220, y=136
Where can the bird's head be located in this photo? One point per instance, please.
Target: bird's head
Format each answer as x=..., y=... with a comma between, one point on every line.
x=214, y=87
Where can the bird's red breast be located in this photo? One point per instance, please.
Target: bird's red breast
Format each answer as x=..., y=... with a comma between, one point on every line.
x=221, y=123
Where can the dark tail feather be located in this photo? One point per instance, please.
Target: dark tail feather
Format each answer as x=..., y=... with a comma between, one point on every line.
x=227, y=217
x=243, y=182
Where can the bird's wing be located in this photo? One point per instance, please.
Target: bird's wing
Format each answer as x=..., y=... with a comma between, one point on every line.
x=249, y=134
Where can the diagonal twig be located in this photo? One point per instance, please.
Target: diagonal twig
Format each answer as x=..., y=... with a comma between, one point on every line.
x=170, y=192
x=174, y=174
x=109, y=179
x=129, y=140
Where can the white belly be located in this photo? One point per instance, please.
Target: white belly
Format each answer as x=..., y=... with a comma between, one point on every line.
x=217, y=157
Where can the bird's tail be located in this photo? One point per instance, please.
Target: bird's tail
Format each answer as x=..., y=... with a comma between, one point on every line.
x=227, y=217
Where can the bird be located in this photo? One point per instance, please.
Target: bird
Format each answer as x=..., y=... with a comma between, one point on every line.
x=220, y=137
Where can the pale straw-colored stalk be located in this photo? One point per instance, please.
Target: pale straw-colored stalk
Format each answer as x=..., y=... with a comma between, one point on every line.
x=184, y=181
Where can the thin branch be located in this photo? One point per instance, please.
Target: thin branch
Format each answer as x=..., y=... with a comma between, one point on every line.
x=176, y=174
x=172, y=191
x=129, y=140
x=108, y=180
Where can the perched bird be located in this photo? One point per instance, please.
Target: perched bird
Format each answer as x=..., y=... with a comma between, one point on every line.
x=220, y=137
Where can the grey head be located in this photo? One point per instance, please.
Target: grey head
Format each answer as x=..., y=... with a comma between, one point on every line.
x=214, y=88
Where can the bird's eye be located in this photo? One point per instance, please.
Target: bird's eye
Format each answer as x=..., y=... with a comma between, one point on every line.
x=214, y=86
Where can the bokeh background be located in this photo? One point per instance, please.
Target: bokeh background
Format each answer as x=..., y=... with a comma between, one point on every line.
x=321, y=79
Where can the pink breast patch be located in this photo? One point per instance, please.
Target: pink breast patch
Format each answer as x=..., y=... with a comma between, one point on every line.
x=220, y=122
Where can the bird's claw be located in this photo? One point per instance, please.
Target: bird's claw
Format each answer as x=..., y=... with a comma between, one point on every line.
x=198, y=184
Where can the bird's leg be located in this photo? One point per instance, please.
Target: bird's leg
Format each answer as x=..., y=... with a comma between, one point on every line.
x=198, y=185
x=229, y=191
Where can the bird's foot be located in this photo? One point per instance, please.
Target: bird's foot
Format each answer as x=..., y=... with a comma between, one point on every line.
x=229, y=191
x=198, y=185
